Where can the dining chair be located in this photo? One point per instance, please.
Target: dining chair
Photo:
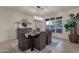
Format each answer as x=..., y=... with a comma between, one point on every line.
x=40, y=41
x=23, y=42
x=48, y=37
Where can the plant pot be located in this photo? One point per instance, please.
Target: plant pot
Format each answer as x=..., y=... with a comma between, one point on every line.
x=74, y=38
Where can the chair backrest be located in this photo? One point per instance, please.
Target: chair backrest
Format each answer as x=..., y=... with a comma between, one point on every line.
x=21, y=32
x=40, y=42
x=48, y=36
x=23, y=42
x=48, y=33
x=42, y=36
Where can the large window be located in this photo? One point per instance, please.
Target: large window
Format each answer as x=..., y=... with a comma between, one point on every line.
x=47, y=24
x=54, y=24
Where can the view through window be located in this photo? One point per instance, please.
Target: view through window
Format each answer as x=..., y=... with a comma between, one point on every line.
x=54, y=24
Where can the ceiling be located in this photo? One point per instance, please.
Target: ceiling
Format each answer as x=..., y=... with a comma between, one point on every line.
x=44, y=10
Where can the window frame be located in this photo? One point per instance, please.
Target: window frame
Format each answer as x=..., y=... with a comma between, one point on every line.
x=55, y=28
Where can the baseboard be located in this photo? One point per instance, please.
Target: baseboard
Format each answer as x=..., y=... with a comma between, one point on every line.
x=59, y=38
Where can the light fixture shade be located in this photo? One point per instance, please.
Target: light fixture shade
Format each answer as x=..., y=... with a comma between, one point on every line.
x=38, y=18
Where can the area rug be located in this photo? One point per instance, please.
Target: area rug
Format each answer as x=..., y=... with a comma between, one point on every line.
x=54, y=43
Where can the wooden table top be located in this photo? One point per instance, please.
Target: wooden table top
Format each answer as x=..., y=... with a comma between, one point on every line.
x=32, y=34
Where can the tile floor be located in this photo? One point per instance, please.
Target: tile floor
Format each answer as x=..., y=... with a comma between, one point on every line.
x=57, y=46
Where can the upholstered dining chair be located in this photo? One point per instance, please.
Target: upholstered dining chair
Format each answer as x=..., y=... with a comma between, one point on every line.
x=23, y=42
x=48, y=36
x=40, y=41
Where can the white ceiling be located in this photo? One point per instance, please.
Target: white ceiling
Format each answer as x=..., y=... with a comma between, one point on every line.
x=44, y=9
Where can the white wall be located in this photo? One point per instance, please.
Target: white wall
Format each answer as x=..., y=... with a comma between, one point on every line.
x=64, y=34
x=7, y=23
x=9, y=17
x=65, y=15
x=78, y=28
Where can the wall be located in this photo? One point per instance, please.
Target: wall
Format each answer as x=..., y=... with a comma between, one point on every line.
x=7, y=23
x=65, y=15
x=78, y=29
x=9, y=17
x=64, y=34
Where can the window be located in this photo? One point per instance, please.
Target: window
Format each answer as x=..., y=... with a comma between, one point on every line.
x=59, y=24
x=54, y=24
x=47, y=23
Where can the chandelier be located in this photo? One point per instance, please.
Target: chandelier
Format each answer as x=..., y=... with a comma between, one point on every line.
x=37, y=17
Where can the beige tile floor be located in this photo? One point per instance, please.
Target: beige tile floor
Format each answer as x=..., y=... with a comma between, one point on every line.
x=63, y=46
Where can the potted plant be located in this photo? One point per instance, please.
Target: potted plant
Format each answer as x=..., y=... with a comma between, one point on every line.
x=71, y=26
